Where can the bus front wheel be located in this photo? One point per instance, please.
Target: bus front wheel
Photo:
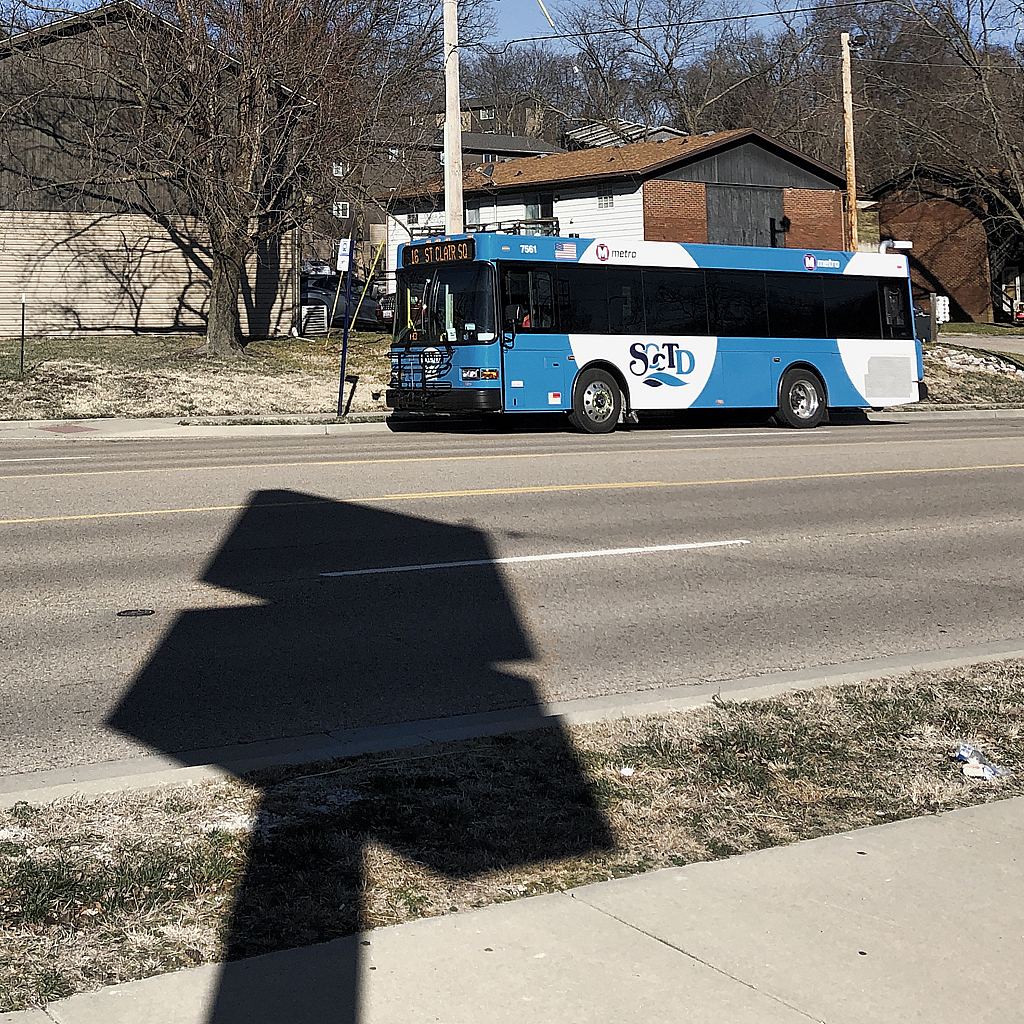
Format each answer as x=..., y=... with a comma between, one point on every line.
x=596, y=402
x=801, y=399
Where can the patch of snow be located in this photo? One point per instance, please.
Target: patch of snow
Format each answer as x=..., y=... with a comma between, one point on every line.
x=975, y=362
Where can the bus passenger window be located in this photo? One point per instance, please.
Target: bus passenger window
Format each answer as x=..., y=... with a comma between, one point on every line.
x=542, y=303
x=796, y=306
x=584, y=299
x=625, y=301
x=894, y=303
x=737, y=305
x=851, y=306
x=531, y=289
x=675, y=302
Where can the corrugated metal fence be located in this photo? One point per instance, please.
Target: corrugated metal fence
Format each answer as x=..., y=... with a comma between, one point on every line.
x=126, y=273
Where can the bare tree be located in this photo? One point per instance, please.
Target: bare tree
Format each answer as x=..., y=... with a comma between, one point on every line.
x=668, y=61
x=249, y=118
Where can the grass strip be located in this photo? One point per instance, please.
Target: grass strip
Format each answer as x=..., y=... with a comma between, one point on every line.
x=94, y=376
x=101, y=891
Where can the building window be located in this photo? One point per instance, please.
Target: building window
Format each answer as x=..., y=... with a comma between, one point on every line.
x=487, y=113
x=339, y=170
x=412, y=218
x=605, y=201
x=340, y=210
x=395, y=154
x=489, y=158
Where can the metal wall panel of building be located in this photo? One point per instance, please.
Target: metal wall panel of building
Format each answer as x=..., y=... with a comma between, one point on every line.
x=83, y=272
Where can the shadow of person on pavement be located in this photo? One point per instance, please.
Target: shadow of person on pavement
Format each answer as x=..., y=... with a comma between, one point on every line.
x=315, y=654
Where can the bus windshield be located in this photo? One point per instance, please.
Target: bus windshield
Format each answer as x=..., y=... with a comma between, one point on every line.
x=452, y=305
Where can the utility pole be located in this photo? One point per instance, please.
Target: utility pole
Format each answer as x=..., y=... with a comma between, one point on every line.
x=453, y=211
x=851, y=170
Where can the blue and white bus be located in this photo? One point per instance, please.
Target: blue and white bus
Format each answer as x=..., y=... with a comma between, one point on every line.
x=603, y=330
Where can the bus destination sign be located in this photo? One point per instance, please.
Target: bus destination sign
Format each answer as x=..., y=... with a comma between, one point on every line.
x=429, y=253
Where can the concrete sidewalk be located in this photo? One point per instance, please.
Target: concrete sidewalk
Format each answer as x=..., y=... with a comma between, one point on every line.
x=915, y=920
x=1012, y=343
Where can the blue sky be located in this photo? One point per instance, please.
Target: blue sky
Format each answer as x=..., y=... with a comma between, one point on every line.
x=518, y=18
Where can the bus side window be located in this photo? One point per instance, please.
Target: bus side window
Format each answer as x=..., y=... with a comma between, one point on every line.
x=851, y=306
x=796, y=306
x=894, y=305
x=517, y=291
x=737, y=304
x=625, y=301
x=533, y=290
x=675, y=302
x=542, y=301
x=583, y=295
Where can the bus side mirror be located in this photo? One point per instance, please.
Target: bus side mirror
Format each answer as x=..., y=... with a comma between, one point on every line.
x=514, y=314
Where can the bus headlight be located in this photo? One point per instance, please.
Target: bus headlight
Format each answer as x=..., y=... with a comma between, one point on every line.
x=471, y=373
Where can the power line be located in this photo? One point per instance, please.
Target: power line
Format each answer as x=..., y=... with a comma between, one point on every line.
x=922, y=63
x=675, y=24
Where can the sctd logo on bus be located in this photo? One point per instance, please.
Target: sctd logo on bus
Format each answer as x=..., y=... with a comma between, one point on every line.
x=651, y=361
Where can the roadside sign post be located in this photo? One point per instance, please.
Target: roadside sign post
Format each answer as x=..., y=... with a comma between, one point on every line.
x=344, y=264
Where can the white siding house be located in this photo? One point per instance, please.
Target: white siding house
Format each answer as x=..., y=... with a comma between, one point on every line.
x=615, y=212
x=728, y=188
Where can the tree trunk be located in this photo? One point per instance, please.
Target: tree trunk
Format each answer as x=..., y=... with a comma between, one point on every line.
x=223, y=333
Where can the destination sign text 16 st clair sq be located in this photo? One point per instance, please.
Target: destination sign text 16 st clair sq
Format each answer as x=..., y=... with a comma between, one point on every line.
x=424, y=254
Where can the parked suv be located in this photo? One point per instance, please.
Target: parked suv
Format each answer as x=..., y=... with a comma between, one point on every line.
x=321, y=290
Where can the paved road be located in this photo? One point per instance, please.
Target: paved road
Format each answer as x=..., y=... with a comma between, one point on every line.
x=843, y=543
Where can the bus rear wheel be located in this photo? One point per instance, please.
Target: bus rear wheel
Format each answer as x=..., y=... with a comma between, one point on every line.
x=801, y=399
x=596, y=402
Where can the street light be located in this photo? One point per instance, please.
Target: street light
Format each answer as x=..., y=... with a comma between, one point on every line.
x=851, y=171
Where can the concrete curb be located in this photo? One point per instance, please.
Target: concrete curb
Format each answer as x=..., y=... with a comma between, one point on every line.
x=162, y=429
x=205, y=765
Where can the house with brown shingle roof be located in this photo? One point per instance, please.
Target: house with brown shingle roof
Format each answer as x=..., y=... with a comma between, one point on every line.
x=729, y=188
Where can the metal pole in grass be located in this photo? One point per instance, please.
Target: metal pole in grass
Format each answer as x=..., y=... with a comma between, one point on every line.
x=344, y=339
x=21, y=372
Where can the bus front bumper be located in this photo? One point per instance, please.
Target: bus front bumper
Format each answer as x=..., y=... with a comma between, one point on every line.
x=444, y=399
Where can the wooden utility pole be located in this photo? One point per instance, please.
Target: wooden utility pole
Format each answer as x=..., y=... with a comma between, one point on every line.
x=851, y=169
x=453, y=211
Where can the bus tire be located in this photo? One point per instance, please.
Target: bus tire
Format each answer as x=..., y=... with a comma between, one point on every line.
x=596, y=402
x=801, y=399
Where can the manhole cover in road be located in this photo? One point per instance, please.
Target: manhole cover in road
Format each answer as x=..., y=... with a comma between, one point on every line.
x=68, y=428
x=135, y=613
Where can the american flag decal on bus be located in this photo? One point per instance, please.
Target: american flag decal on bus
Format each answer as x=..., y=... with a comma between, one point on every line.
x=565, y=250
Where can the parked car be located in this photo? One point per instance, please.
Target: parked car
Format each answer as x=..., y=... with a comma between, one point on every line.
x=386, y=311
x=320, y=290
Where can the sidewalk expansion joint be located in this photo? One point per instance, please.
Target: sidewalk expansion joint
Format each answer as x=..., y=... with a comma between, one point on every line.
x=696, y=959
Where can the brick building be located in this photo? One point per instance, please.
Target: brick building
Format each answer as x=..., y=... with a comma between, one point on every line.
x=956, y=252
x=729, y=188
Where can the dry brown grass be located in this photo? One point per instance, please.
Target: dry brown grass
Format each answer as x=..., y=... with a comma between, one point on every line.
x=94, y=892
x=81, y=378
x=142, y=376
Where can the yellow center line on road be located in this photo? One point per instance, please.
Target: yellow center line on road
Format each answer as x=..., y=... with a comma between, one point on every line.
x=567, y=454
x=535, y=489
